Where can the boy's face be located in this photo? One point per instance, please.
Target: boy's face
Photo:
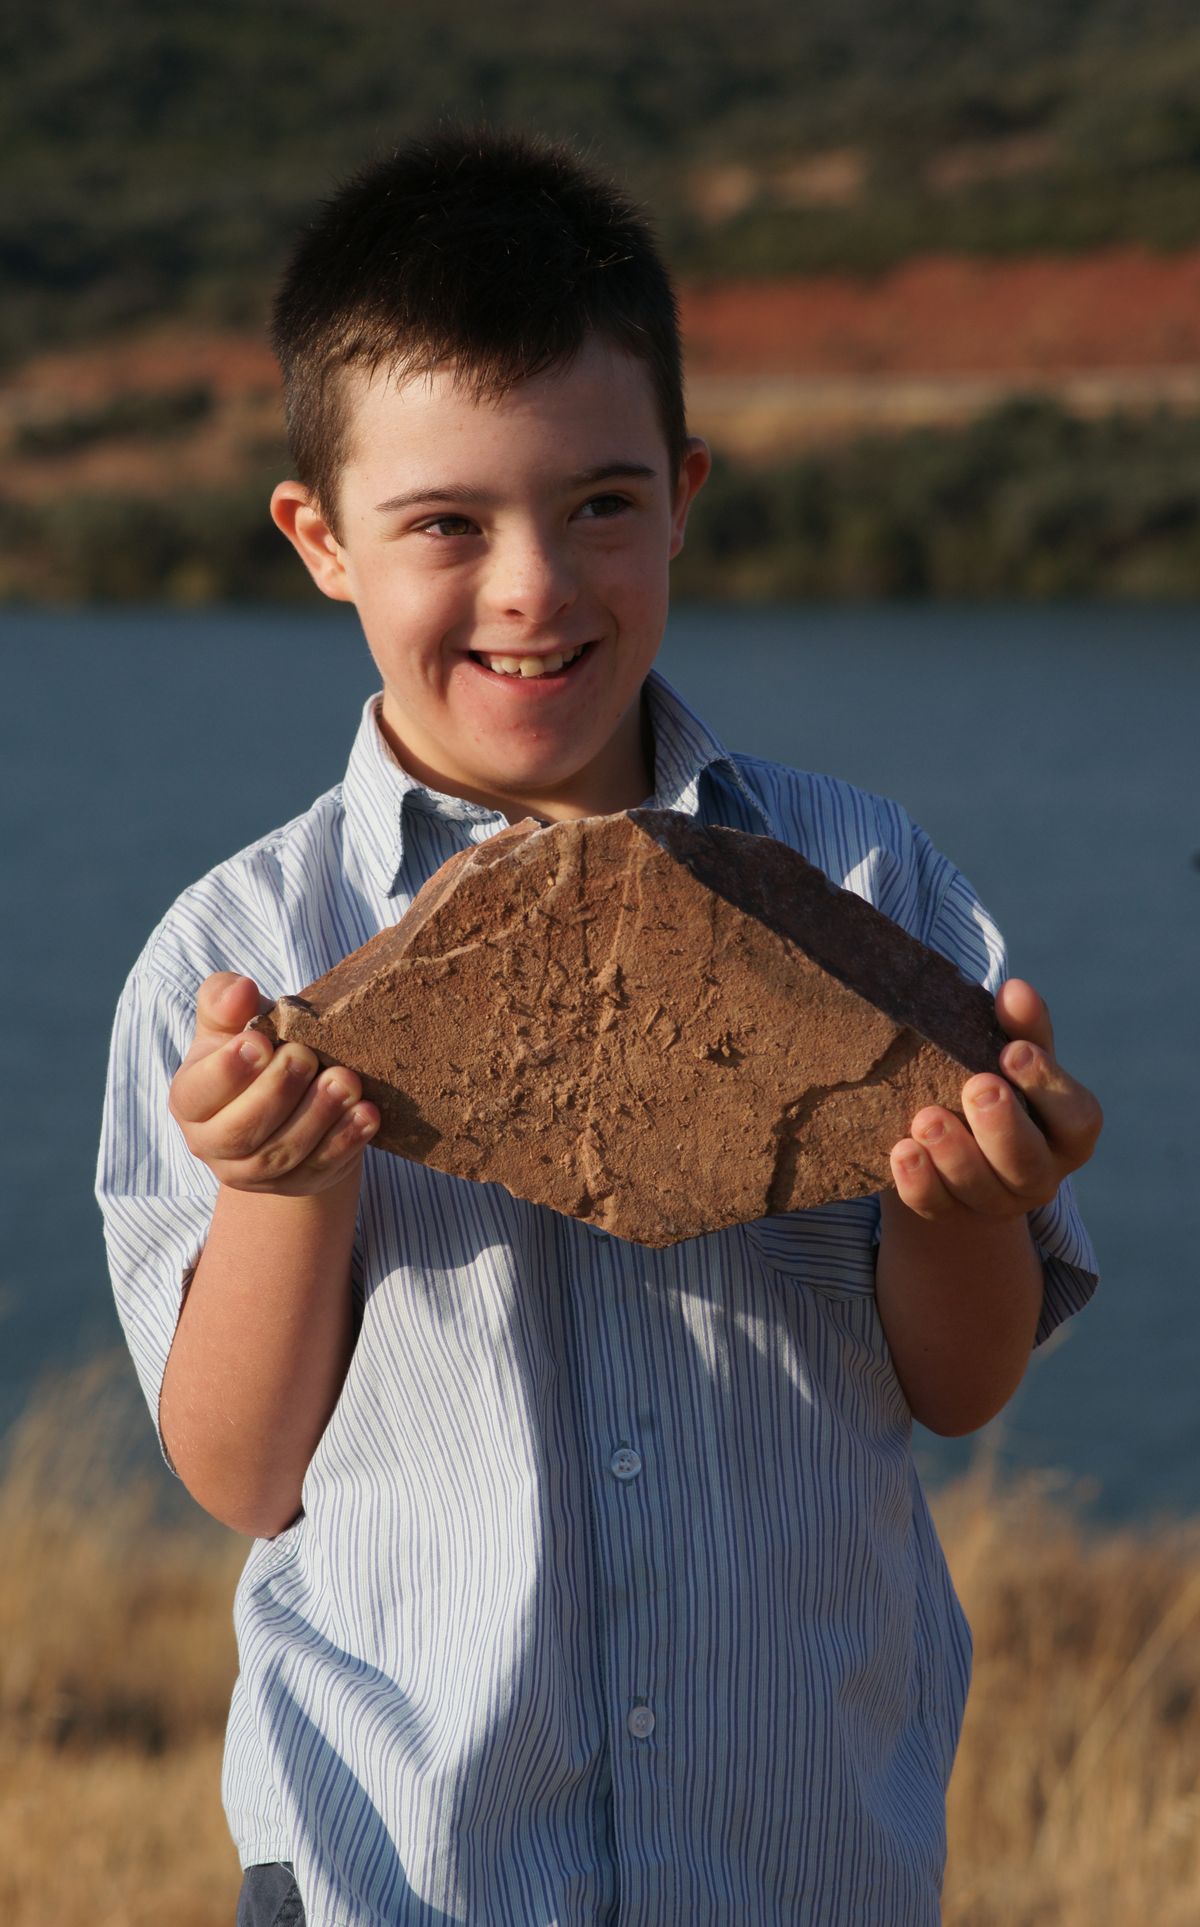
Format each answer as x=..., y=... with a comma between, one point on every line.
x=485, y=537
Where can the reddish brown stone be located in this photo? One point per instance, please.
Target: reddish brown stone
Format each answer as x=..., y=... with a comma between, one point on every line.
x=657, y=1027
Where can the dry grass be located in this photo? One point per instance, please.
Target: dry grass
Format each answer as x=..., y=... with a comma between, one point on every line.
x=1075, y=1803
x=116, y=1660
x=1076, y=1796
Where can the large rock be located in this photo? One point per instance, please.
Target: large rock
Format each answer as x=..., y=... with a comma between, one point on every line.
x=657, y=1027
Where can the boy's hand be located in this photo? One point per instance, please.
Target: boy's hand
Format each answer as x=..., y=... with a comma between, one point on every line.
x=264, y=1118
x=999, y=1164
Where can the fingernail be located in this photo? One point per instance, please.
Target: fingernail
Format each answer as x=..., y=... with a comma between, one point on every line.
x=989, y=1095
x=1020, y=1057
x=911, y=1162
x=930, y=1133
x=250, y=1052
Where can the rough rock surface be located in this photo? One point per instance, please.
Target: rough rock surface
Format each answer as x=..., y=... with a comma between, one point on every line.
x=654, y=1026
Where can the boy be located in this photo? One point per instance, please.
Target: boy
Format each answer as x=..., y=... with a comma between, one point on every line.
x=592, y=1583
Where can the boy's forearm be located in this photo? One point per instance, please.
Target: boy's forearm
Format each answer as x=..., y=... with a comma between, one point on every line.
x=959, y=1301
x=260, y=1352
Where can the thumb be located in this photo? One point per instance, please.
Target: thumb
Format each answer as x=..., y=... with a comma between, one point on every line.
x=225, y=1004
x=1024, y=1014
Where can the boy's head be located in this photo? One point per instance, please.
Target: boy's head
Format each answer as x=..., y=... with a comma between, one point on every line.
x=482, y=367
x=495, y=255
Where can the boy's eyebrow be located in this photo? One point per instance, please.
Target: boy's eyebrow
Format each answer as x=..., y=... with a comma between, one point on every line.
x=429, y=496
x=612, y=472
x=463, y=493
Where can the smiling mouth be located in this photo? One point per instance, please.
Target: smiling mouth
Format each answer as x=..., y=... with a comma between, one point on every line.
x=530, y=667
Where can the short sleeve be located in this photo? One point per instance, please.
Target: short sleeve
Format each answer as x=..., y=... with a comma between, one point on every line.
x=156, y=1198
x=961, y=929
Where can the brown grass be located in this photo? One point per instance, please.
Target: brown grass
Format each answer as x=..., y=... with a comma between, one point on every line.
x=116, y=1660
x=1076, y=1796
x=1075, y=1802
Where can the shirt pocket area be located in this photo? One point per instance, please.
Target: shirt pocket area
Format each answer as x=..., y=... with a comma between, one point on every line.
x=825, y=1262
x=831, y=1249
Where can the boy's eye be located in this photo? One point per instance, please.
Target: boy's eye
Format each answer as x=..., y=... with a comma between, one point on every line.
x=602, y=505
x=448, y=525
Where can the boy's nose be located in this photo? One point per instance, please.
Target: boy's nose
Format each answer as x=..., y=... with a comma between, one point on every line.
x=532, y=581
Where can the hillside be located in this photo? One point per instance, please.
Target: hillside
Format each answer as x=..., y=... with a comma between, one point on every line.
x=952, y=427
x=774, y=365
x=159, y=158
x=891, y=225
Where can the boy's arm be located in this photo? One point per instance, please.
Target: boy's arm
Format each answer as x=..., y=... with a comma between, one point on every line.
x=266, y=1333
x=958, y=1280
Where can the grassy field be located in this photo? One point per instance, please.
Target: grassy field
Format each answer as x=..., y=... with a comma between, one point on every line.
x=1075, y=1802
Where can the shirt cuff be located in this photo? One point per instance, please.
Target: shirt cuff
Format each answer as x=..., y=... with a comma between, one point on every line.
x=1069, y=1269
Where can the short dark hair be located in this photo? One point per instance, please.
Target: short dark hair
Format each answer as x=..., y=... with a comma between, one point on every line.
x=496, y=254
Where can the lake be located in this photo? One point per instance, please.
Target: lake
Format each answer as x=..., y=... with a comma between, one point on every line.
x=1051, y=751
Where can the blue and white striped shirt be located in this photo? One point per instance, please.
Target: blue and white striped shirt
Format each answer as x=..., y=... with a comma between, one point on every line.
x=615, y=1597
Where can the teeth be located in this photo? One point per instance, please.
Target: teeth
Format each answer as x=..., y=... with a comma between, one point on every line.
x=531, y=665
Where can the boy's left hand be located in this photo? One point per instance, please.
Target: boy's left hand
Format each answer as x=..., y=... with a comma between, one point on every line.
x=999, y=1164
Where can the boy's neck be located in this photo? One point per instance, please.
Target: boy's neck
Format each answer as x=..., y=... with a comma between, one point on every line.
x=622, y=780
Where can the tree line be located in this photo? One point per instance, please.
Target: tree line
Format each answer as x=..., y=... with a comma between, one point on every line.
x=1026, y=502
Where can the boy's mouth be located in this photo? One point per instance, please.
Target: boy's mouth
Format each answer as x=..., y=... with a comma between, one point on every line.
x=528, y=666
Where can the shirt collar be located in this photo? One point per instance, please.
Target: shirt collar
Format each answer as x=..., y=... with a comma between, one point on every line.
x=376, y=791
x=685, y=750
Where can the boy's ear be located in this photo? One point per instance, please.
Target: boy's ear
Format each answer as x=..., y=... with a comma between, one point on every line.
x=693, y=473
x=295, y=512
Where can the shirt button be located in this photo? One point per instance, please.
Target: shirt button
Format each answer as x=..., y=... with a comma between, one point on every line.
x=625, y=1463
x=641, y=1722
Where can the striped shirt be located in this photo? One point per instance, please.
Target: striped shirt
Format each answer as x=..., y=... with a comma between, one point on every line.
x=614, y=1597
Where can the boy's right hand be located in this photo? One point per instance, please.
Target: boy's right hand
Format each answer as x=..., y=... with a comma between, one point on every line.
x=265, y=1118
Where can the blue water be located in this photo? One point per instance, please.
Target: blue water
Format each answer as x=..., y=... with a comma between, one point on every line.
x=1052, y=752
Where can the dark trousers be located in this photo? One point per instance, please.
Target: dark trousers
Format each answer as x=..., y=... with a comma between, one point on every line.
x=270, y=1897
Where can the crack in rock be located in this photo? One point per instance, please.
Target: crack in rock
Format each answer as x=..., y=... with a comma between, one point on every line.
x=804, y=1110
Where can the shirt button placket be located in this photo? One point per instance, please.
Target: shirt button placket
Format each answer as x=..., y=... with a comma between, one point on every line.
x=617, y=1338
x=625, y=1465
